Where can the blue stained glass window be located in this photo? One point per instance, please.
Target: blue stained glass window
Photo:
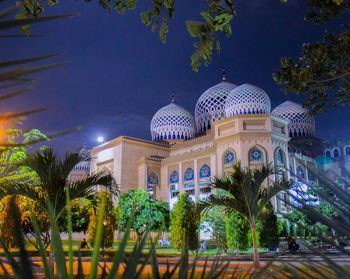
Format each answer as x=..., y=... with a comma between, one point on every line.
x=189, y=174
x=311, y=177
x=336, y=153
x=279, y=157
x=300, y=172
x=256, y=154
x=152, y=179
x=174, y=177
x=347, y=150
x=204, y=171
x=229, y=158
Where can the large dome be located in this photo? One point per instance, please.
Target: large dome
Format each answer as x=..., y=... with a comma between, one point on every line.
x=210, y=106
x=247, y=99
x=172, y=122
x=301, y=123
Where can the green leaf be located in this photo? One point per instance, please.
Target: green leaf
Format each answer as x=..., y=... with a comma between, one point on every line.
x=196, y=28
x=70, y=230
x=97, y=243
x=164, y=29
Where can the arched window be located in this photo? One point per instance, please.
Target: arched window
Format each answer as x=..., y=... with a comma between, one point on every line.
x=256, y=155
x=204, y=179
x=189, y=181
x=174, y=184
x=152, y=180
x=152, y=183
x=300, y=172
x=328, y=154
x=347, y=150
x=336, y=153
x=311, y=177
x=189, y=174
x=229, y=158
x=174, y=177
x=279, y=157
x=204, y=172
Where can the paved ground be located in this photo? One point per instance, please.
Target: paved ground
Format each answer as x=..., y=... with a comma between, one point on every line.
x=235, y=263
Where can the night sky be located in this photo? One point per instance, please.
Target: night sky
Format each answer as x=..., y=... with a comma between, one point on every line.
x=119, y=73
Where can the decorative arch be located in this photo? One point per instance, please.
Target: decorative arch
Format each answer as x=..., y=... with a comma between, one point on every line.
x=152, y=179
x=174, y=184
x=256, y=154
x=189, y=181
x=204, y=171
x=280, y=157
x=311, y=177
x=204, y=179
x=347, y=150
x=229, y=157
x=152, y=183
x=300, y=172
x=336, y=153
x=174, y=177
x=328, y=153
x=189, y=174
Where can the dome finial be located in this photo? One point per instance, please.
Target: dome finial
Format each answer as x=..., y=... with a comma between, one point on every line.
x=224, y=77
x=173, y=98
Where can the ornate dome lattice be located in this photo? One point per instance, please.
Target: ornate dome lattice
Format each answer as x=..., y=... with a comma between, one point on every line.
x=83, y=166
x=210, y=106
x=247, y=99
x=301, y=123
x=172, y=122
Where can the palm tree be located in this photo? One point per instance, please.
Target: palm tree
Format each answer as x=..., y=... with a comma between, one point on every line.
x=246, y=192
x=53, y=174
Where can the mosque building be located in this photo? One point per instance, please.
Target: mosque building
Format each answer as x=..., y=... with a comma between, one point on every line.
x=231, y=123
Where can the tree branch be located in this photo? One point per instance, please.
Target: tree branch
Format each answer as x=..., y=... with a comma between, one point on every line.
x=331, y=79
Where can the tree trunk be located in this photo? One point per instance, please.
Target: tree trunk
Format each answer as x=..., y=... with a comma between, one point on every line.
x=51, y=262
x=255, y=244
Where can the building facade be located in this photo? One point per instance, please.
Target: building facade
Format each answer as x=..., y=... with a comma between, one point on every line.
x=230, y=124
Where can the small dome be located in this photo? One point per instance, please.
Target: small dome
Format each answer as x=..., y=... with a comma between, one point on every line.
x=210, y=106
x=247, y=99
x=172, y=122
x=83, y=166
x=301, y=122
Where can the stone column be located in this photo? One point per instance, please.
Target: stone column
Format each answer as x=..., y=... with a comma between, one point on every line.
x=181, y=189
x=196, y=178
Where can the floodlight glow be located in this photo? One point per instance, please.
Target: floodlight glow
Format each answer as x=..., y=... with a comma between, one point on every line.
x=100, y=139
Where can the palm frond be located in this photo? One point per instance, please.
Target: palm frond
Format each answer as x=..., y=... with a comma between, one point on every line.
x=13, y=74
x=7, y=24
x=71, y=159
x=17, y=62
x=86, y=185
x=14, y=93
x=14, y=83
x=8, y=11
x=14, y=115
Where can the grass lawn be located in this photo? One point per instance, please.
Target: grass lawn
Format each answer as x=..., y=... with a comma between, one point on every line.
x=162, y=251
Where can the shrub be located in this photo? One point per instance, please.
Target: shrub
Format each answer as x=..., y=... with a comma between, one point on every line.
x=80, y=214
x=109, y=220
x=184, y=223
x=269, y=227
x=7, y=225
x=27, y=208
x=144, y=207
x=213, y=222
x=237, y=229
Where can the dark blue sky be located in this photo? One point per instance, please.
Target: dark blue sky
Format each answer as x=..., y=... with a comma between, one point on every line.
x=119, y=74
